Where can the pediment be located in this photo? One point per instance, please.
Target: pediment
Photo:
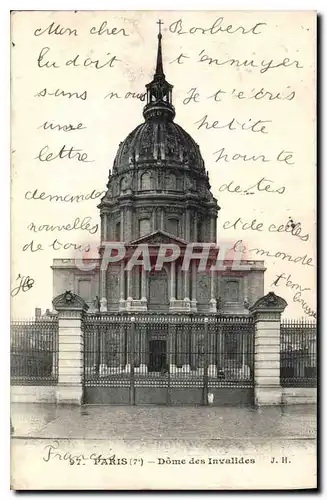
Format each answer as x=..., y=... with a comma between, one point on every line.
x=157, y=238
x=270, y=301
x=69, y=300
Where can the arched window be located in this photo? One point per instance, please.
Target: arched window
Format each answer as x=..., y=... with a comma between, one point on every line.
x=146, y=181
x=232, y=292
x=144, y=227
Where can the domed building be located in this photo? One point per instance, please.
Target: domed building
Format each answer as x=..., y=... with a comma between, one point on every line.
x=158, y=192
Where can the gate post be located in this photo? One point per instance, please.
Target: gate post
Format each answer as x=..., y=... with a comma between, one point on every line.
x=267, y=317
x=71, y=309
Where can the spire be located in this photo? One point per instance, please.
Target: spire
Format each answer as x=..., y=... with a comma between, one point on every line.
x=159, y=69
x=159, y=91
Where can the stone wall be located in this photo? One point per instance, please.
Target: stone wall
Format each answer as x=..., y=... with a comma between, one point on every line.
x=33, y=394
x=255, y=285
x=47, y=394
x=67, y=276
x=299, y=395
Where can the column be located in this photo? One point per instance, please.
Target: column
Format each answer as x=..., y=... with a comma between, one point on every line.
x=122, y=284
x=162, y=219
x=71, y=309
x=103, y=289
x=154, y=221
x=110, y=235
x=213, y=229
x=129, y=286
x=144, y=284
x=122, y=224
x=129, y=225
x=195, y=228
x=187, y=302
x=172, y=281
x=182, y=224
x=213, y=301
x=194, y=285
x=102, y=227
x=267, y=317
x=188, y=226
x=246, y=292
x=179, y=288
x=105, y=226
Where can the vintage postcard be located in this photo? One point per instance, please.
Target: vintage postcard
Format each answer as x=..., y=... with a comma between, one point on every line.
x=163, y=265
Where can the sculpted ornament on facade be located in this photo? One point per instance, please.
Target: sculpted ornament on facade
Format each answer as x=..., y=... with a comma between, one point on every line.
x=126, y=182
x=67, y=300
x=271, y=300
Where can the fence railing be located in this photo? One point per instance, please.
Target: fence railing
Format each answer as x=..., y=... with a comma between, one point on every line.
x=34, y=352
x=298, y=354
x=162, y=348
x=168, y=350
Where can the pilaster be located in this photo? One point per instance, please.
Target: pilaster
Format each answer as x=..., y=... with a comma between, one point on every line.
x=213, y=301
x=194, y=286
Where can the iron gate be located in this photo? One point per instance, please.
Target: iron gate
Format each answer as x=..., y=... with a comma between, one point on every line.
x=168, y=359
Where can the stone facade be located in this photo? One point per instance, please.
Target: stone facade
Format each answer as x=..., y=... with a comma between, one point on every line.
x=159, y=192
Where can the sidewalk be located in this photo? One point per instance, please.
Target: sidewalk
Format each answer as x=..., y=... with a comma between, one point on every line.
x=45, y=421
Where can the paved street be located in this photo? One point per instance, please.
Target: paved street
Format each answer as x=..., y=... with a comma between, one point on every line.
x=162, y=422
x=162, y=447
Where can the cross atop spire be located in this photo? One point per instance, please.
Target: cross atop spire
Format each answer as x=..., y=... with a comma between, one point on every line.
x=160, y=23
x=159, y=67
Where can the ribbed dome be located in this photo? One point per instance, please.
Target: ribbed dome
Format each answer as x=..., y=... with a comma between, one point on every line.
x=157, y=140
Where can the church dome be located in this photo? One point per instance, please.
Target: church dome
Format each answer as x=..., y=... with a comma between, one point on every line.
x=158, y=180
x=159, y=140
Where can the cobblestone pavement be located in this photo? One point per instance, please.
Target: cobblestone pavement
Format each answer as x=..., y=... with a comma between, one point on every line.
x=162, y=422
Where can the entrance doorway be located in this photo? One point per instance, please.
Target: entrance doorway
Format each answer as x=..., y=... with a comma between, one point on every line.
x=157, y=355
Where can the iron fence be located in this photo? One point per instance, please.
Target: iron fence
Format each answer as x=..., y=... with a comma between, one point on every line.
x=168, y=351
x=34, y=352
x=298, y=354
